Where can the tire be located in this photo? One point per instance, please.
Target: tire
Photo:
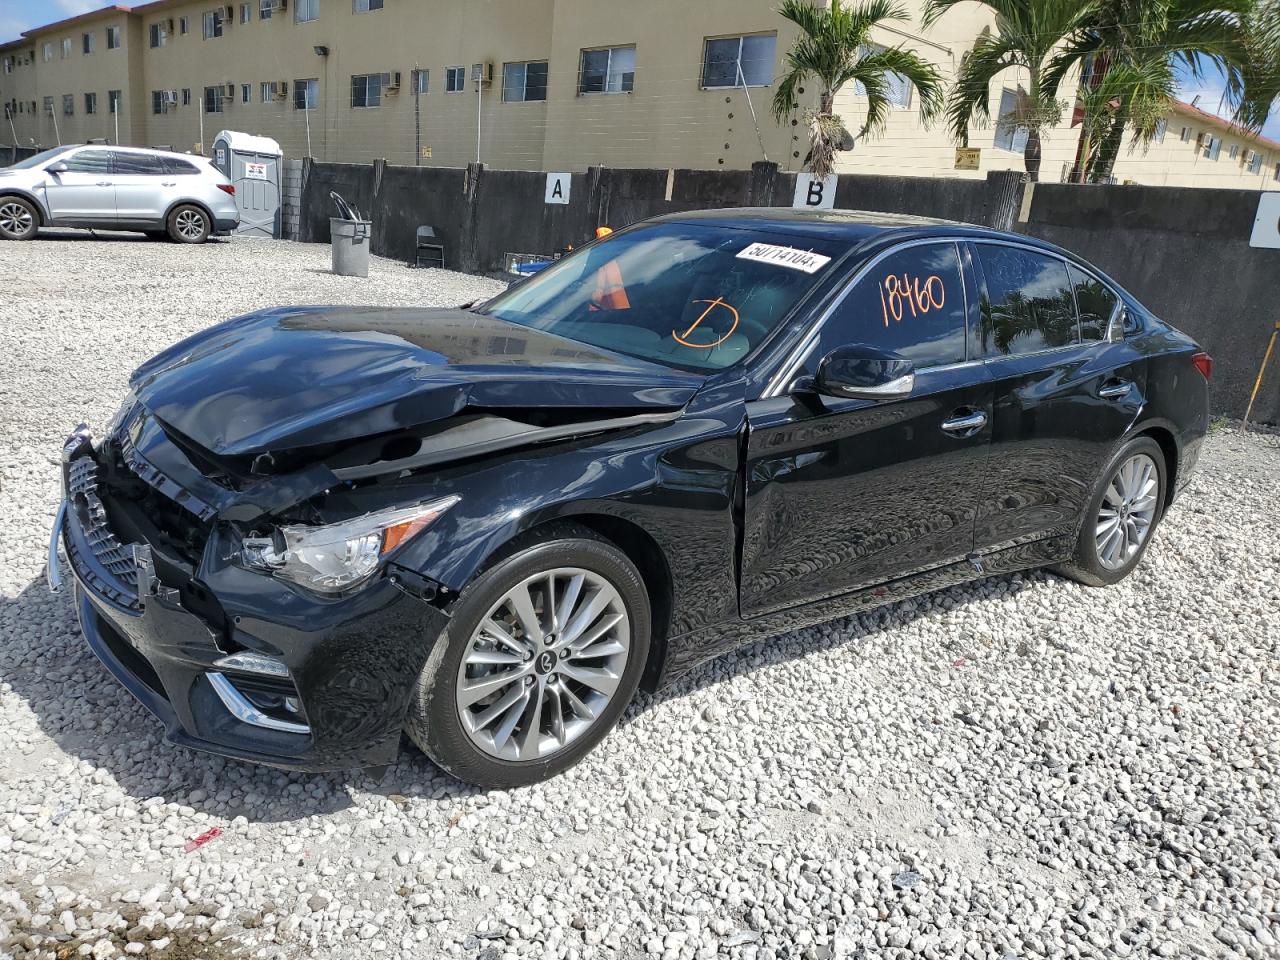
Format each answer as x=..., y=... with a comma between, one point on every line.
x=188, y=224
x=19, y=219
x=493, y=746
x=1113, y=543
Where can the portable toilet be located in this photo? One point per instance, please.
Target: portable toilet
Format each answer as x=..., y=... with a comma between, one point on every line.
x=253, y=165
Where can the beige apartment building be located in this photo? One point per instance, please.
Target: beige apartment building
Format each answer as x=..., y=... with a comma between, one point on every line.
x=524, y=85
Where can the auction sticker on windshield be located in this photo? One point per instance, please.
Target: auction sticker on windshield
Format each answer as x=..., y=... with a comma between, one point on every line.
x=791, y=257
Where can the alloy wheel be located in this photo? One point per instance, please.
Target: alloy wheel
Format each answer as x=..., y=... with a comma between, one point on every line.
x=1128, y=511
x=190, y=224
x=543, y=664
x=15, y=218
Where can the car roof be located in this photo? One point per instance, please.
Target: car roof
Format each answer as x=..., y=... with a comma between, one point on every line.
x=147, y=150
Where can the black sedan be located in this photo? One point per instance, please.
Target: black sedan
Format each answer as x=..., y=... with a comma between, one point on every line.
x=309, y=530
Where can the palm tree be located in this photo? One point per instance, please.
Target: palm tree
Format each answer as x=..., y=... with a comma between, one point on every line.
x=835, y=48
x=1137, y=48
x=1027, y=31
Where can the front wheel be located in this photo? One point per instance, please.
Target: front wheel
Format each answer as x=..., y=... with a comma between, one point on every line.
x=189, y=224
x=18, y=219
x=542, y=655
x=1122, y=516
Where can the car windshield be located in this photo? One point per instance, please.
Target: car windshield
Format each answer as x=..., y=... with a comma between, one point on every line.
x=43, y=157
x=692, y=296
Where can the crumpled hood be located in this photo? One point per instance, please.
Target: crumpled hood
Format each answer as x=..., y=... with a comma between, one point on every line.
x=295, y=377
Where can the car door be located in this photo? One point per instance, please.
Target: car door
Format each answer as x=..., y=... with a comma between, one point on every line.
x=1065, y=391
x=142, y=186
x=840, y=493
x=85, y=190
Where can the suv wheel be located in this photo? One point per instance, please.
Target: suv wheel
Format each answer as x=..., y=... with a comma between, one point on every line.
x=1122, y=515
x=541, y=656
x=189, y=224
x=18, y=219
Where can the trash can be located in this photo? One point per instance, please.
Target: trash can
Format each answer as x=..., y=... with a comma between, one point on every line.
x=350, y=246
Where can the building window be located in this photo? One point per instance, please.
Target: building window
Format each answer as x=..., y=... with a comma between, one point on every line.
x=159, y=35
x=306, y=94
x=47, y=102
x=1254, y=161
x=86, y=43
x=897, y=88
x=1185, y=136
x=364, y=6
x=265, y=9
x=265, y=91
x=1158, y=135
x=184, y=26
x=113, y=101
x=66, y=47
x=305, y=11
x=68, y=105
x=213, y=99
x=90, y=103
x=1277, y=175
x=1234, y=151
x=212, y=25
x=113, y=38
x=246, y=13
x=46, y=51
x=246, y=93
x=366, y=89
x=524, y=81
x=1212, y=147
x=455, y=79
x=186, y=96
x=737, y=61
x=421, y=80
x=8, y=64
x=1009, y=136
x=608, y=70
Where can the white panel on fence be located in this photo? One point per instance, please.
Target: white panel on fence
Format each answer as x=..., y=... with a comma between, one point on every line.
x=815, y=193
x=558, y=185
x=1266, y=227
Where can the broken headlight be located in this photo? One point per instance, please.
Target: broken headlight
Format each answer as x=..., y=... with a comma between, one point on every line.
x=339, y=556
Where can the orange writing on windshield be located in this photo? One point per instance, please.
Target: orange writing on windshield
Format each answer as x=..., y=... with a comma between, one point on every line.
x=683, y=338
x=900, y=296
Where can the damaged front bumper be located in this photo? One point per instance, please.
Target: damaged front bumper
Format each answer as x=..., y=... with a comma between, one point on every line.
x=233, y=662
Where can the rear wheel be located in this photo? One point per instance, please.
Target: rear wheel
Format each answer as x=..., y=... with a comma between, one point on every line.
x=1122, y=515
x=189, y=224
x=18, y=219
x=542, y=655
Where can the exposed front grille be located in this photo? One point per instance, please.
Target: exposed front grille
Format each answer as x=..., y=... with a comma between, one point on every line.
x=115, y=557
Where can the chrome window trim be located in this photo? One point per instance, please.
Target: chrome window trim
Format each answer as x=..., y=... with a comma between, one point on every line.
x=787, y=370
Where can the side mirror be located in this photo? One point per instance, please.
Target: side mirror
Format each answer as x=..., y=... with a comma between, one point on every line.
x=59, y=167
x=860, y=372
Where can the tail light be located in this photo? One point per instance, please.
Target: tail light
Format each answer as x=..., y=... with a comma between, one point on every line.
x=1204, y=363
x=228, y=188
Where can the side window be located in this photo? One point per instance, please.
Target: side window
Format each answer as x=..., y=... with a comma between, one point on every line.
x=1027, y=306
x=139, y=164
x=1096, y=303
x=181, y=167
x=90, y=161
x=911, y=303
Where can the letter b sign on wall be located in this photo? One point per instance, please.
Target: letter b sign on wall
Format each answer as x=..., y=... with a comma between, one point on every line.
x=815, y=193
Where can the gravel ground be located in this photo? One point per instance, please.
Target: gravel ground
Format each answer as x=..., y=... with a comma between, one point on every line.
x=1020, y=768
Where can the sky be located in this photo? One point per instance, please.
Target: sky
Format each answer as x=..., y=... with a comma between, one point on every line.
x=19, y=15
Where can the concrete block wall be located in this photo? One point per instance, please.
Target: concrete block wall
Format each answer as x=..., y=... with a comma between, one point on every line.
x=291, y=199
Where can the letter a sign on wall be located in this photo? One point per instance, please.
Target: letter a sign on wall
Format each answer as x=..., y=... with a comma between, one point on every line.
x=815, y=193
x=558, y=187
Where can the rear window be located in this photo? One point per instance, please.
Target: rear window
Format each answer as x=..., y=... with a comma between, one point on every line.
x=179, y=167
x=1028, y=304
x=692, y=296
x=139, y=163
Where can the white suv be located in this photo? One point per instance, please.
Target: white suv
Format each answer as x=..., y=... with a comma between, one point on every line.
x=161, y=194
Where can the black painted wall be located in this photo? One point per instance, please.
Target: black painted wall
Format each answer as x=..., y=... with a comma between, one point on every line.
x=1184, y=253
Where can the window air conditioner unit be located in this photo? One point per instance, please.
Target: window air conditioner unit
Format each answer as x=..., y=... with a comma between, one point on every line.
x=229, y=91
x=393, y=82
x=279, y=5
x=171, y=97
x=1249, y=155
x=170, y=25
x=482, y=72
x=230, y=15
x=280, y=90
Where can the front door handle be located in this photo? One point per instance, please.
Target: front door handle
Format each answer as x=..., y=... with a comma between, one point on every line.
x=1115, y=389
x=966, y=423
x=168, y=184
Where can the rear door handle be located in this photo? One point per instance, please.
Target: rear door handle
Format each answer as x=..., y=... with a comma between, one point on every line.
x=968, y=423
x=103, y=183
x=168, y=184
x=1116, y=389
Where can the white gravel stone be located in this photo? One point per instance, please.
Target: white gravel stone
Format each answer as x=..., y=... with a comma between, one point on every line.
x=1020, y=767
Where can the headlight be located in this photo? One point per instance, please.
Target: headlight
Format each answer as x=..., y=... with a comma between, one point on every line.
x=339, y=556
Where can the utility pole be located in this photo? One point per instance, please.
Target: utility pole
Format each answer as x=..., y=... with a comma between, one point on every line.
x=417, y=117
